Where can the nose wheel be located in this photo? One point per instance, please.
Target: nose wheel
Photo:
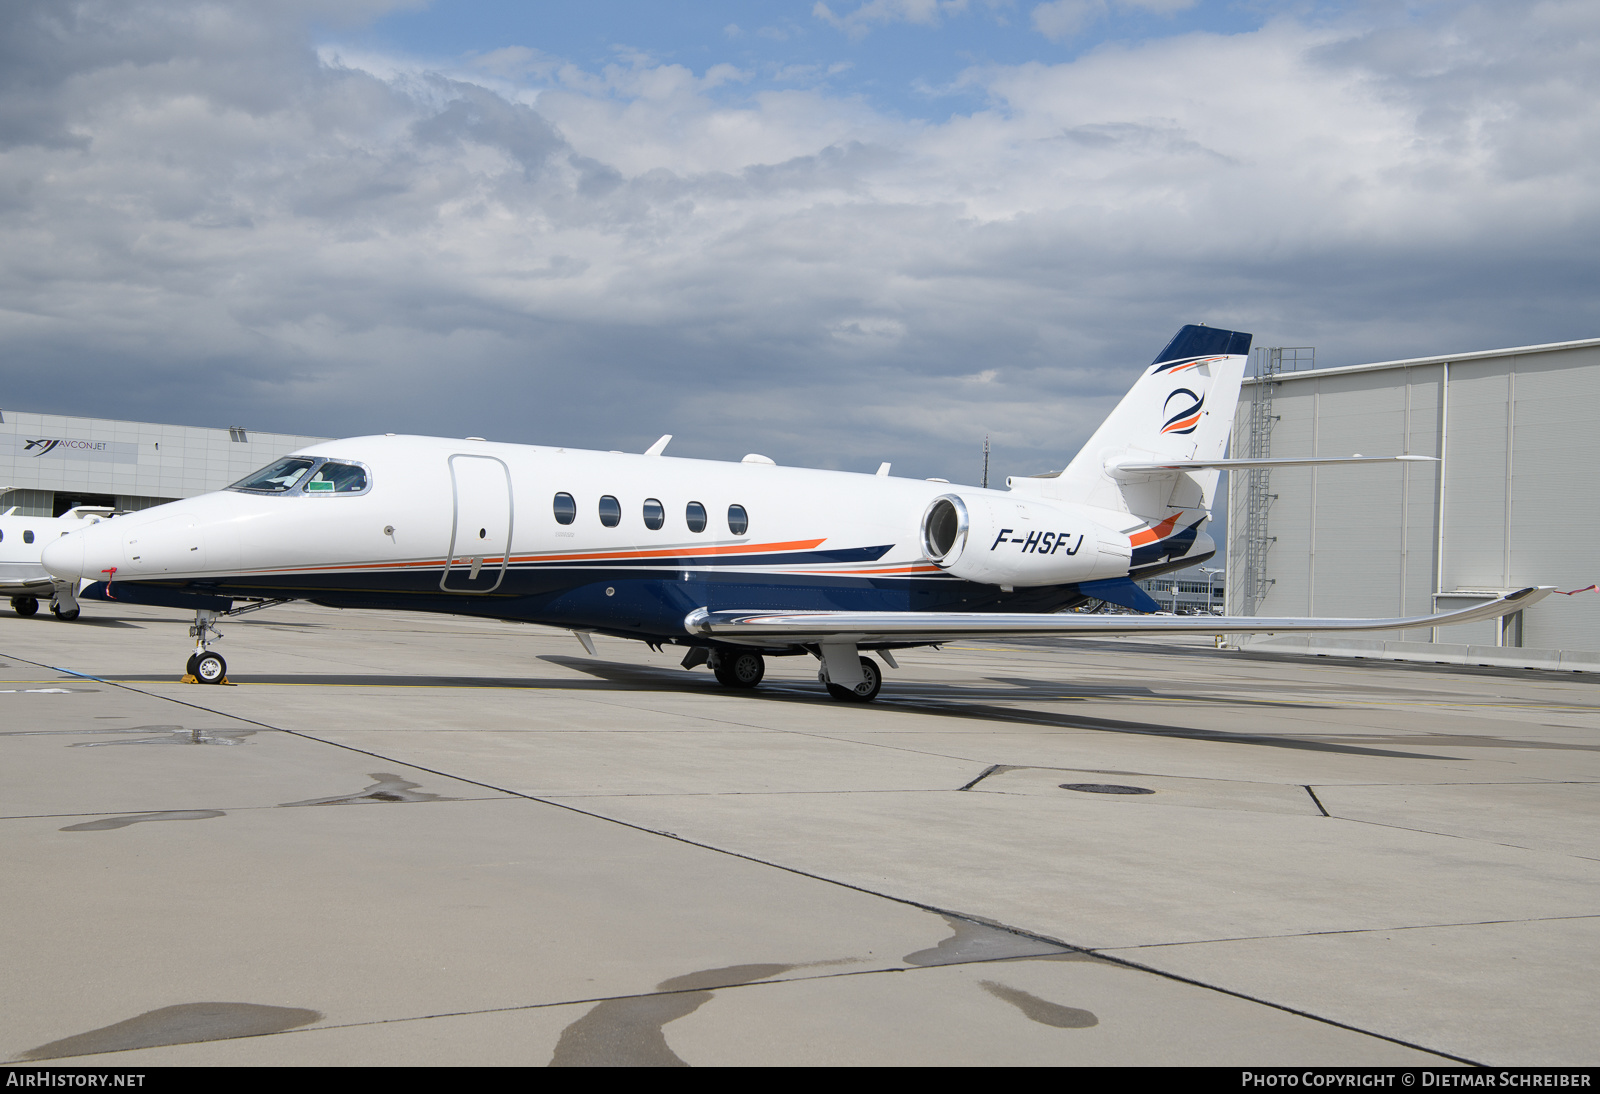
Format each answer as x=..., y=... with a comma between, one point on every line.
x=208, y=667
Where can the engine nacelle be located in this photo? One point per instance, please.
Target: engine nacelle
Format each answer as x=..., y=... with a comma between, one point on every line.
x=1020, y=543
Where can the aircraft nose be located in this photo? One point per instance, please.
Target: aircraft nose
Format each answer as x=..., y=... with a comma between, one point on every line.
x=64, y=557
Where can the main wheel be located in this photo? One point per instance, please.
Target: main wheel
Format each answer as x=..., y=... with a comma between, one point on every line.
x=210, y=668
x=739, y=670
x=24, y=605
x=864, y=692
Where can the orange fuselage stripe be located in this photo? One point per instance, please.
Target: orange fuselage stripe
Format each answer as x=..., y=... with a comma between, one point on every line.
x=681, y=552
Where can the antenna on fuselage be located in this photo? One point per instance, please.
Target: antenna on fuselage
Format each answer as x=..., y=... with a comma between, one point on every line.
x=660, y=446
x=986, y=461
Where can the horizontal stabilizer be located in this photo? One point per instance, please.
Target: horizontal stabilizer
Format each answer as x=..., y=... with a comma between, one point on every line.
x=788, y=628
x=1137, y=466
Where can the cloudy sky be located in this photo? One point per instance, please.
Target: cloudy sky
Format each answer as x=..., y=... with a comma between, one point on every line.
x=834, y=232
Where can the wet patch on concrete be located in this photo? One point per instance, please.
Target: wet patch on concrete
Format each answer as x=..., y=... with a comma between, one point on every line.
x=184, y=1024
x=106, y=824
x=43, y=691
x=387, y=788
x=992, y=769
x=1039, y=1010
x=973, y=941
x=1106, y=788
x=171, y=735
x=86, y=732
x=629, y=1032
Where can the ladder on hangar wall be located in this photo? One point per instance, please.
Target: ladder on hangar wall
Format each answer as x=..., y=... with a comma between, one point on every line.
x=1270, y=362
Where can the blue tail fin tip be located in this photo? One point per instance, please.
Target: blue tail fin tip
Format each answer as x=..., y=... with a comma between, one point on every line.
x=1198, y=341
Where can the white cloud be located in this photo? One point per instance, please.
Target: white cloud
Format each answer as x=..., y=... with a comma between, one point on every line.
x=1059, y=20
x=1159, y=7
x=202, y=220
x=928, y=13
x=1063, y=20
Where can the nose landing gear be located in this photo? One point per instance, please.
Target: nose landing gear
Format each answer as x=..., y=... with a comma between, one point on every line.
x=204, y=666
x=64, y=601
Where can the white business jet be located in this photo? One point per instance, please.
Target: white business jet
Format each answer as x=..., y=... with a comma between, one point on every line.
x=22, y=576
x=736, y=561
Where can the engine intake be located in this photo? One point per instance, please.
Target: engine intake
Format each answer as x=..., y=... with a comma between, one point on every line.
x=998, y=541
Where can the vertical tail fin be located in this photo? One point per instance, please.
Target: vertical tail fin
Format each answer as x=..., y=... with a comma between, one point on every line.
x=1181, y=408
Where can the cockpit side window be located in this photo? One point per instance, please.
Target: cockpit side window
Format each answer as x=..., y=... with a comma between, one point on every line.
x=277, y=478
x=337, y=478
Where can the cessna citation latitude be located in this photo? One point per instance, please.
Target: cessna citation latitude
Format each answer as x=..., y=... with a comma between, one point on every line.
x=735, y=561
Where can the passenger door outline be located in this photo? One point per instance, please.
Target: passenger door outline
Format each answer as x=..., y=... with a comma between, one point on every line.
x=482, y=506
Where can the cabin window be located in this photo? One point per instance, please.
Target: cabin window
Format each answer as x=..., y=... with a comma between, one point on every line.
x=610, y=511
x=566, y=509
x=337, y=478
x=27, y=537
x=738, y=520
x=277, y=478
x=655, y=514
x=695, y=515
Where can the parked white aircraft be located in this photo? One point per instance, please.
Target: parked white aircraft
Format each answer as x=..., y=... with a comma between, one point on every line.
x=737, y=561
x=22, y=576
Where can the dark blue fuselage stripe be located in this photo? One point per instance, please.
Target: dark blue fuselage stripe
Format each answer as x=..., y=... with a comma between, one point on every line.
x=635, y=602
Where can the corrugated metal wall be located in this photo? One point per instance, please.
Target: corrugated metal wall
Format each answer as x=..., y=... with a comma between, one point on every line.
x=1517, y=506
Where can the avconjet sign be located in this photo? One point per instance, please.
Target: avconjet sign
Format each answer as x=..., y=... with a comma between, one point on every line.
x=71, y=448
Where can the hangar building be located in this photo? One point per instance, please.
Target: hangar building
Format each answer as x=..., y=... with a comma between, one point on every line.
x=1511, y=502
x=49, y=462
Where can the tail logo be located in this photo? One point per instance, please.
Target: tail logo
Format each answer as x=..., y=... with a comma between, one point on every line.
x=1187, y=416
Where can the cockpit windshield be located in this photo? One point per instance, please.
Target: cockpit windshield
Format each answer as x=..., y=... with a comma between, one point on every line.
x=278, y=478
x=337, y=478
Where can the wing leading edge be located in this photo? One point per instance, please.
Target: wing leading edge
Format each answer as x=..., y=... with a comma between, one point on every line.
x=788, y=628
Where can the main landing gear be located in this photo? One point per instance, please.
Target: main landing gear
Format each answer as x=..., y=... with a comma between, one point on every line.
x=864, y=691
x=849, y=677
x=737, y=668
x=25, y=605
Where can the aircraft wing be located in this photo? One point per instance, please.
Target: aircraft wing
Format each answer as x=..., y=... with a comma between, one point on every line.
x=784, y=628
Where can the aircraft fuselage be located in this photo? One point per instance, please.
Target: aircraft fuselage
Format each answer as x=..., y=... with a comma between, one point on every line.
x=612, y=542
